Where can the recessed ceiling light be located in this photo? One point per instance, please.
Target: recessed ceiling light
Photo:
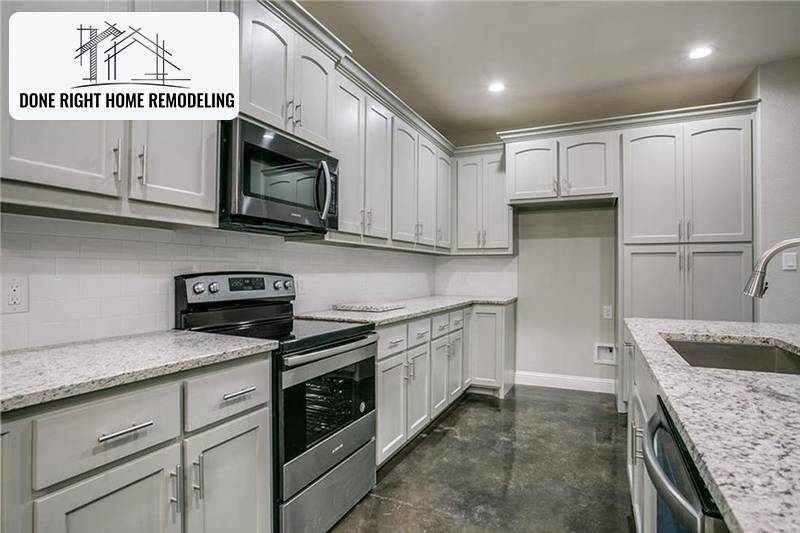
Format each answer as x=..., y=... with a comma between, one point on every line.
x=497, y=87
x=699, y=53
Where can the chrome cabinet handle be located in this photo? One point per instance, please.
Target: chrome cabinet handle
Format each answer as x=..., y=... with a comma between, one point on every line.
x=405, y=371
x=680, y=230
x=395, y=342
x=178, y=499
x=688, y=515
x=363, y=219
x=688, y=229
x=127, y=431
x=479, y=239
x=143, y=160
x=688, y=261
x=484, y=238
x=411, y=368
x=328, y=189
x=290, y=111
x=369, y=217
x=555, y=185
x=680, y=261
x=236, y=394
x=421, y=334
x=200, y=487
x=298, y=111
x=118, y=154
x=443, y=327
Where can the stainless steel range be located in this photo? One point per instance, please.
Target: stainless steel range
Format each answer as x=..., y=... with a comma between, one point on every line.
x=323, y=391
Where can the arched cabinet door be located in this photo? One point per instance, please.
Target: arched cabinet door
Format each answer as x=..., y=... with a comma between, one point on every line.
x=653, y=184
x=314, y=87
x=588, y=164
x=266, y=73
x=531, y=170
x=404, y=182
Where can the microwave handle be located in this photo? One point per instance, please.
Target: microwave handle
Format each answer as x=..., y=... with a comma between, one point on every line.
x=688, y=515
x=323, y=165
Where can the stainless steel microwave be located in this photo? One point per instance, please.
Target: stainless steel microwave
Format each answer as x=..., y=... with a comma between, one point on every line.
x=270, y=183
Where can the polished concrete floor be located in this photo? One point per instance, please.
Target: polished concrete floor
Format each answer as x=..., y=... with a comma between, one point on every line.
x=545, y=460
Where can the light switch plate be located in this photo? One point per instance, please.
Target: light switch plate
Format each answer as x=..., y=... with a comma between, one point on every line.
x=608, y=312
x=789, y=261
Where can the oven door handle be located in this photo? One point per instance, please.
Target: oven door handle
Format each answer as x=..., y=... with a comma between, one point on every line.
x=323, y=165
x=301, y=359
x=688, y=516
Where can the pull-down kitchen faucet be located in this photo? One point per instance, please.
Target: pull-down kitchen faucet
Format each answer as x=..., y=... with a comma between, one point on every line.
x=757, y=284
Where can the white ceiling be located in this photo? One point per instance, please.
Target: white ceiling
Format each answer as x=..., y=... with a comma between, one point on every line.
x=560, y=61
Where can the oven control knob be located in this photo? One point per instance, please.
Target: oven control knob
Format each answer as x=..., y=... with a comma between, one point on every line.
x=199, y=288
x=287, y=284
x=213, y=287
x=362, y=407
x=278, y=285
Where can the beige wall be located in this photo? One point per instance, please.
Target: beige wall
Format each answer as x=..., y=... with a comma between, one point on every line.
x=566, y=274
x=777, y=179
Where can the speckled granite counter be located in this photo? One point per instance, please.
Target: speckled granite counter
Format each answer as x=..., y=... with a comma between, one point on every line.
x=742, y=428
x=40, y=375
x=413, y=308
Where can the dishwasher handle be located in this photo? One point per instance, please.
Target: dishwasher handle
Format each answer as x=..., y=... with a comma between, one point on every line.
x=688, y=515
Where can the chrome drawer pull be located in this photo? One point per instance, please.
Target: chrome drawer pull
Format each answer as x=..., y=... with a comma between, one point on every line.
x=242, y=392
x=201, y=485
x=178, y=499
x=395, y=342
x=127, y=431
x=422, y=334
x=443, y=326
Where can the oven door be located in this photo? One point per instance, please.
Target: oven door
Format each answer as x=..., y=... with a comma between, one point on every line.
x=326, y=410
x=280, y=184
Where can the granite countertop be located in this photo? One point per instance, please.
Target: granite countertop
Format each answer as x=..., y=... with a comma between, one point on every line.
x=36, y=376
x=413, y=308
x=742, y=428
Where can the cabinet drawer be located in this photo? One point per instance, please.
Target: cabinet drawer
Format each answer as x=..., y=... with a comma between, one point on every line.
x=456, y=320
x=223, y=394
x=77, y=439
x=392, y=340
x=419, y=332
x=441, y=325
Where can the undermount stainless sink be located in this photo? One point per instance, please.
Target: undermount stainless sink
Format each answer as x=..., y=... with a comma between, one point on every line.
x=757, y=358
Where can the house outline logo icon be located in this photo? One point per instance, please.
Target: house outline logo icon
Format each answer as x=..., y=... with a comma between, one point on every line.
x=101, y=51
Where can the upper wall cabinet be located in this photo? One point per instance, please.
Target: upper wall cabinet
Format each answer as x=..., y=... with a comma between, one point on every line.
x=426, y=191
x=483, y=218
x=444, y=199
x=350, y=103
x=574, y=166
x=689, y=182
x=378, y=169
x=404, y=182
x=285, y=81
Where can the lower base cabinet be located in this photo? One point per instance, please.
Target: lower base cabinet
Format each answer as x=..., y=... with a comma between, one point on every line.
x=391, y=397
x=227, y=477
x=419, y=389
x=142, y=495
x=493, y=343
x=447, y=362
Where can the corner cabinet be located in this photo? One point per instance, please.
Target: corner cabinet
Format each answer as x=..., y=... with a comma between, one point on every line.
x=483, y=218
x=583, y=166
x=286, y=81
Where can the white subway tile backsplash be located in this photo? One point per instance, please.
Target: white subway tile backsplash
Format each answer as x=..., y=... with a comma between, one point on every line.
x=101, y=280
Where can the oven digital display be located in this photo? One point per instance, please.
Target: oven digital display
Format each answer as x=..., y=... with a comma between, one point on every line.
x=246, y=284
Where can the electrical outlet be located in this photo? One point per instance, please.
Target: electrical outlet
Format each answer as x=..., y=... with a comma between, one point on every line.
x=15, y=295
x=608, y=312
x=789, y=261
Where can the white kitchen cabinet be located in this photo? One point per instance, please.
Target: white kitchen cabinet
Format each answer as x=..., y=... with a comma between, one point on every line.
x=174, y=163
x=350, y=103
x=440, y=353
x=444, y=199
x=228, y=481
x=404, y=182
x=693, y=282
x=492, y=342
x=637, y=473
x=313, y=93
x=378, y=169
x=532, y=169
x=715, y=277
x=286, y=81
x=588, y=164
x=468, y=214
x=495, y=212
x=468, y=341
x=689, y=182
x=653, y=184
x=718, y=180
x=142, y=495
x=426, y=191
x=419, y=389
x=392, y=399
x=455, y=366
x=483, y=218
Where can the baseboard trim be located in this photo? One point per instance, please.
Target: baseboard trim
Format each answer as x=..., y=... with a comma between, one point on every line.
x=563, y=381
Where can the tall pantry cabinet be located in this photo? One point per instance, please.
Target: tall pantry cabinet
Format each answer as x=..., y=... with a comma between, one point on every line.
x=687, y=219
